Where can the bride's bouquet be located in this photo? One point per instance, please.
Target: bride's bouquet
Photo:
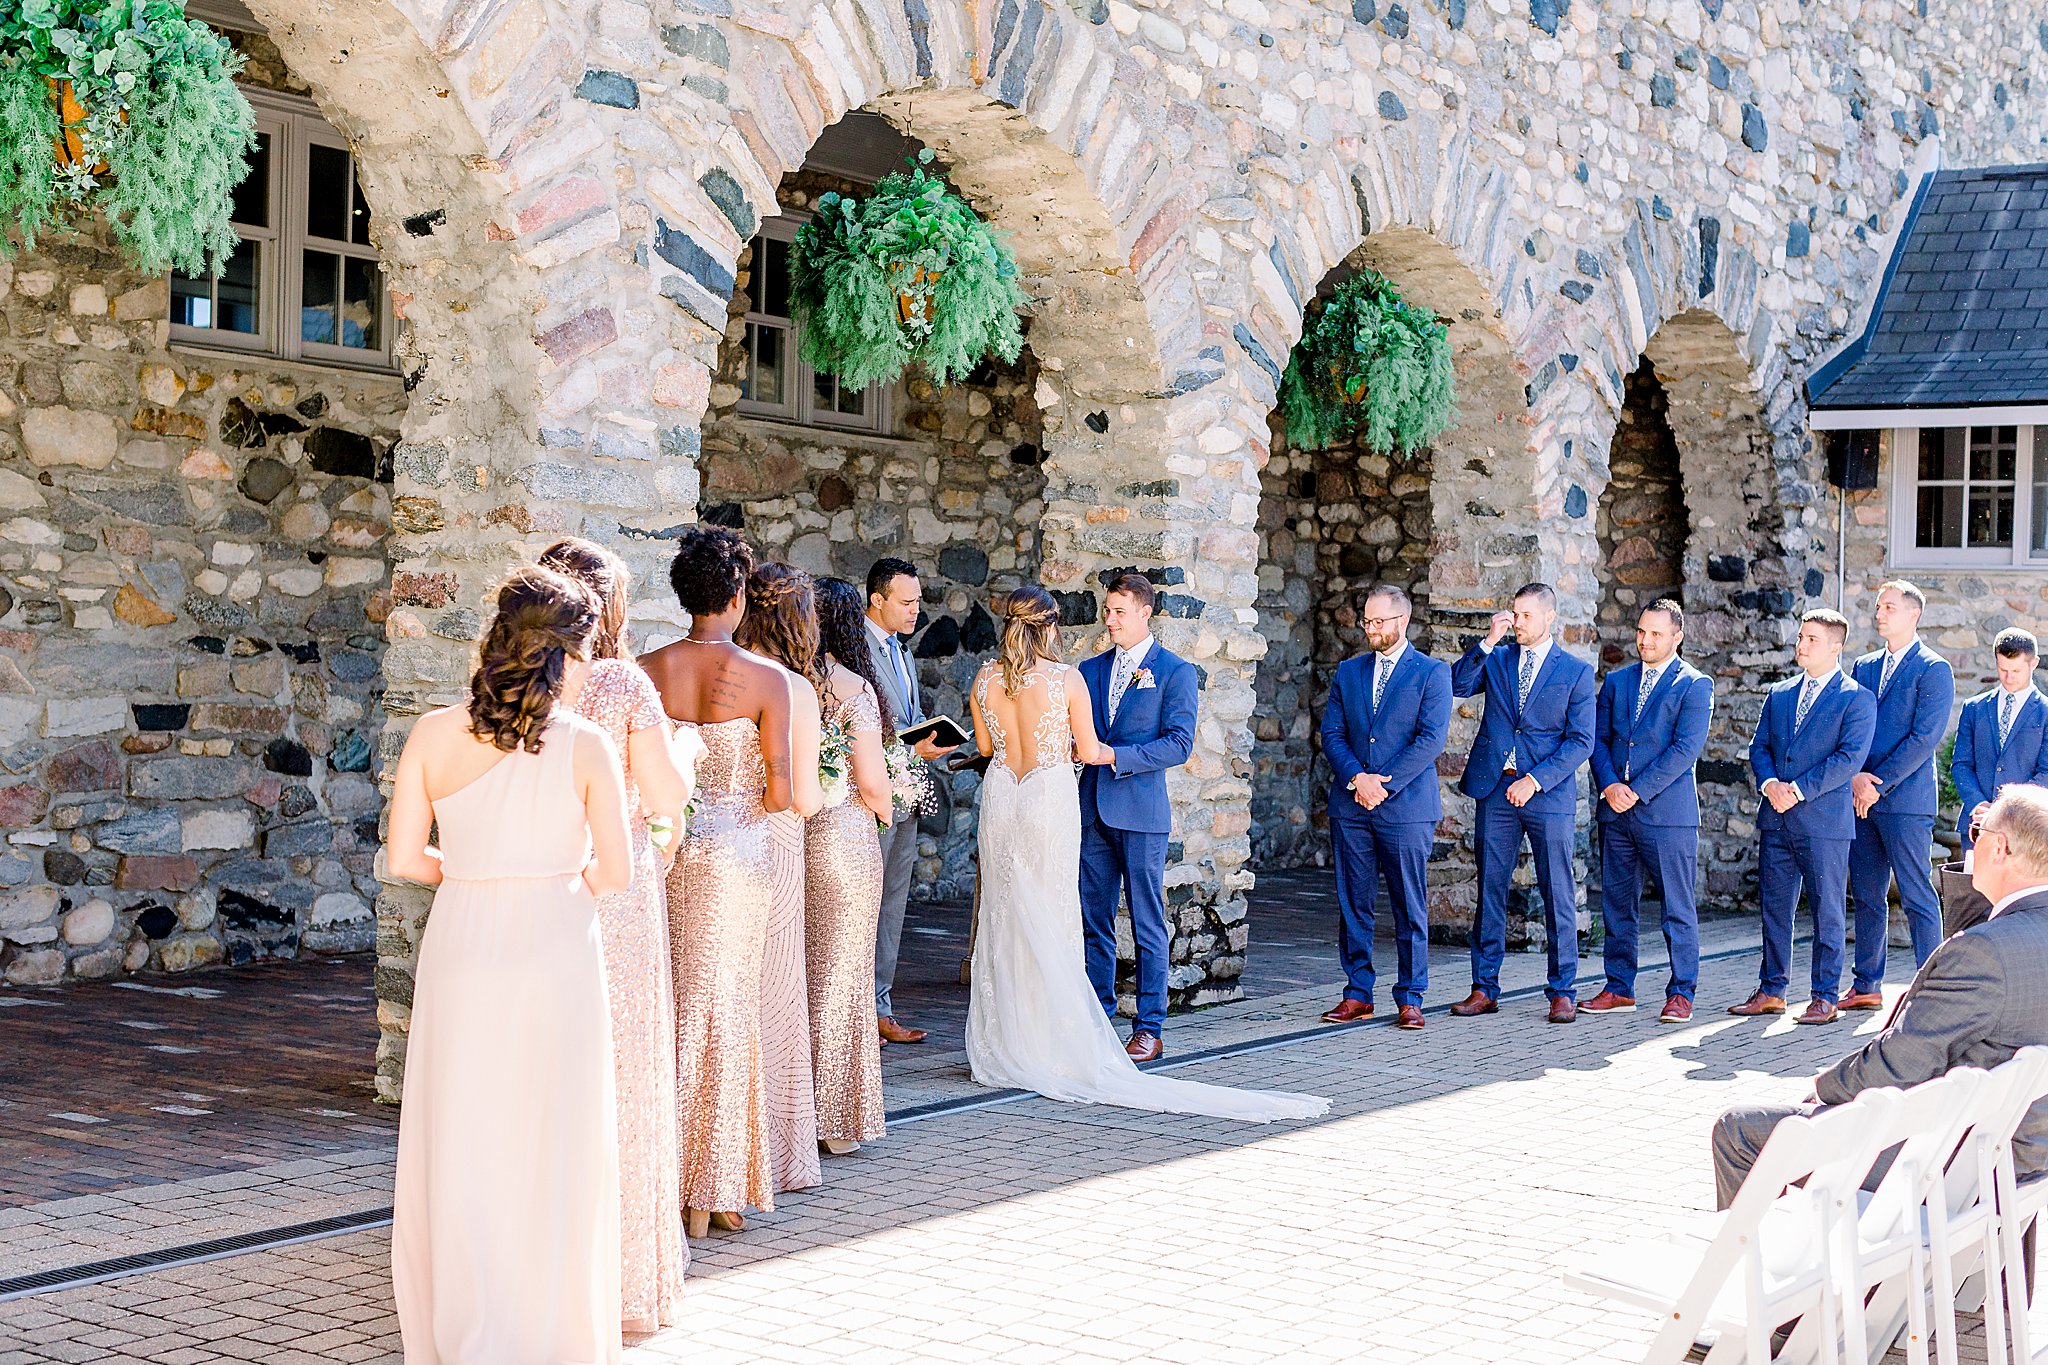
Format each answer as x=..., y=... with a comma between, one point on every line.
x=835, y=762
x=909, y=782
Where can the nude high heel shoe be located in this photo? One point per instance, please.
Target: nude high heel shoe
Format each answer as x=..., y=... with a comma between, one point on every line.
x=839, y=1146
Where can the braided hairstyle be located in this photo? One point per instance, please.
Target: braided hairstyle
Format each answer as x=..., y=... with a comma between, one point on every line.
x=1031, y=621
x=607, y=577
x=782, y=619
x=843, y=634
x=543, y=619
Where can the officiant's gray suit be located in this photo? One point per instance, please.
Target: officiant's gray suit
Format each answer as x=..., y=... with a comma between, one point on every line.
x=899, y=841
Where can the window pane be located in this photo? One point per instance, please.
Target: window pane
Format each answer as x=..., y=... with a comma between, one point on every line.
x=359, y=211
x=757, y=274
x=252, y=196
x=853, y=402
x=768, y=362
x=775, y=283
x=1993, y=453
x=1940, y=521
x=227, y=304
x=327, y=192
x=824, y=391
x=317, y=306
x=191, y=301
x=1941, y=453
x=2040, y=536
x=1990, y=518
x=361, y=283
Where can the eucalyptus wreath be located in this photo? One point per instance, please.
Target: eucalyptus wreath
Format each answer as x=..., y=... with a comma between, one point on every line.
x=162, y=140
x=909, y=274
x=1368, y=362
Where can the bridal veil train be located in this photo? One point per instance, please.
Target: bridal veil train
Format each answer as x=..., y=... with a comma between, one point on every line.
x=1034, y=1022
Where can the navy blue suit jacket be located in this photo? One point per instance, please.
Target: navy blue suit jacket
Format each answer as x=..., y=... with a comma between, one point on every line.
x=1402, y=739
x=1658, y=749
x=1819, y=759
x=1551, y=737
x=1912, y=718
x=1154, y=731
x=1980, y=767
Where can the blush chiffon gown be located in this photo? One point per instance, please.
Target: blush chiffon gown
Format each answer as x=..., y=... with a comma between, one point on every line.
x=505, y=1230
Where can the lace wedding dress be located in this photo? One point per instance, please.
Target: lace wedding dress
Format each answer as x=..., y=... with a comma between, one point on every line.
x=1033, y=1021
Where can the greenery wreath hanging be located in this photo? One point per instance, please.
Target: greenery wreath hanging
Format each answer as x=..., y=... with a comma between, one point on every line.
x=910, y=274
x=127, y=109
x=1369, y=363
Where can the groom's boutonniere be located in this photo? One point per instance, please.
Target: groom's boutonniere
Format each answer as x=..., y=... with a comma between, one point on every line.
x=1142, y=679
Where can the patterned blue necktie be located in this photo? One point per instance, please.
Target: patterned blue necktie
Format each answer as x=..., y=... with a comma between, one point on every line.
x=2008, y=707
x=1884, y=679
x=1382, y=669
x=1643, y=692
x=1808, y=690
x=1522, y=684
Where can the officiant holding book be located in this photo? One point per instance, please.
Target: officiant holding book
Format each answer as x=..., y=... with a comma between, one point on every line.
x=893, y=597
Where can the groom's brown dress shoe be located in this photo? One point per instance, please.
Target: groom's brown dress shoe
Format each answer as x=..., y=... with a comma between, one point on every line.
x=1348, y=1011
x=893, y=1032
x=1563, y=1010
x=1410, y=1017
x=1760, y=1003
x=1144, y=1047
x=1861, y=1000
x=1479, y=1002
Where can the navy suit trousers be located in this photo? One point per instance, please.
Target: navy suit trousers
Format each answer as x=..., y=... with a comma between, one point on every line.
x=1498, y=840
x=1368, y=850
x=1784, y=861
x=1125, y=864
x=1890, y=846
x=1669, y=855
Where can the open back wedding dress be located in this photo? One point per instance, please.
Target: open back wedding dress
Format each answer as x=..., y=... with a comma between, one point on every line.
x=1033, y=1021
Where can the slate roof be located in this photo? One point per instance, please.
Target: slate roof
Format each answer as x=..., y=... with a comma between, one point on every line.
x=1962, y=312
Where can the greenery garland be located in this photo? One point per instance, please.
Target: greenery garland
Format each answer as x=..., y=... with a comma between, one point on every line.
x=159, y=140
x=1368, y=362
x=908, y=275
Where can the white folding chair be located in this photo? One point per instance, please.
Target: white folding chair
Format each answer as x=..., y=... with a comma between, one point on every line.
x=1775, y=1255
x=2018, y=1205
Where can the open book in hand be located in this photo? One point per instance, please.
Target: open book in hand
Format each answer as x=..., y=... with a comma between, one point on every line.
x=943, y=731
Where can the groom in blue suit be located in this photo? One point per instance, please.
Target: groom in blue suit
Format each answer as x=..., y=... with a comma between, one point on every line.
x=1145, y=701
x=2002, y=735
x=1534, y=736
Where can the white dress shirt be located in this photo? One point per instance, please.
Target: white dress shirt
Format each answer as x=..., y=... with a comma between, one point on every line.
x=2005, y=902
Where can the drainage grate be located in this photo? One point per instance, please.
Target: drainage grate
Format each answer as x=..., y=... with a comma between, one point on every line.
x=192, y=1253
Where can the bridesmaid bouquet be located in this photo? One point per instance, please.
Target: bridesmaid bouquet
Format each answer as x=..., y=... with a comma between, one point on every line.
x=835, y=762
x=909, y=782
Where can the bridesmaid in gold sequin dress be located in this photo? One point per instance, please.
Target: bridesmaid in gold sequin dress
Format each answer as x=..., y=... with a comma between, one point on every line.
x=782, y=624
x=843, y=884
x=718, y=900
x=634, y=923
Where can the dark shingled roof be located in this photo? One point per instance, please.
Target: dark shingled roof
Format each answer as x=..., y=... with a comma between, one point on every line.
x=1962, y=313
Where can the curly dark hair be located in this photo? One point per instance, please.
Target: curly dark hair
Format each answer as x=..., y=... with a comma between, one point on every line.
x=843, y=634
x=710, y=568
x=782, y=619
x=606, y=575
x=543, y=618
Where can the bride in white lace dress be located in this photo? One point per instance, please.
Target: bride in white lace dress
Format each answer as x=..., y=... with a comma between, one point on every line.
x=1033, y=1021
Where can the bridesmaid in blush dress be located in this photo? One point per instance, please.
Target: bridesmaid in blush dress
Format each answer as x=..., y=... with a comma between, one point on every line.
x=505, y=1230
x=718, y=892
x=782, y=624
x=843, y=883
x=622, y=701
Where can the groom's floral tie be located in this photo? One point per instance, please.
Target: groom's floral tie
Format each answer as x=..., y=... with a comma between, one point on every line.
x=1119, y=679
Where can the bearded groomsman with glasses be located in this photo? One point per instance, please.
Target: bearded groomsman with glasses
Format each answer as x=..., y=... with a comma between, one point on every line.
x=1384, y=727
x=1651, y=732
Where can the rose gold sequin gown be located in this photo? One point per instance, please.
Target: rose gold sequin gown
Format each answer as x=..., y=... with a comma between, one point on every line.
x=842, y=902
x=653, y=1252
x=718, y=930
x=786, y=1016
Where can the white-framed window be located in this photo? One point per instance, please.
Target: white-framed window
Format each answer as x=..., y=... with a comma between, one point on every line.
x=305, y=283
x=777, y=382
x=1967, y=496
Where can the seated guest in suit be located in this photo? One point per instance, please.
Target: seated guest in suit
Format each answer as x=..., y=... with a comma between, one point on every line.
x=1812, y=737
x=1387, y=720
x=1998, y=738
x=1534, y=735
x=1895, y=794
x=1652, y=727
x=1976, y=1002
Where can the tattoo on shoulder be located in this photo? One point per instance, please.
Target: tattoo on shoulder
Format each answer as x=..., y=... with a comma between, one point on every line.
x=726, y=690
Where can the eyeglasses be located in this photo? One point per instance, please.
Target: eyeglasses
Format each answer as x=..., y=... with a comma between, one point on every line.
x=1376, y=621
x=1983, y=830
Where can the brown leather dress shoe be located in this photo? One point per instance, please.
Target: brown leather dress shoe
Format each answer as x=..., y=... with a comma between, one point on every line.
x=1861, y=1000
x=893, y=1032
x=1760, y=1003
x=1563, y=1010
x=1819, y=1012
x=1144, y=1047
x=1409, y=1017
x=1677, y=1010
x=1479, y=1002
x=1609, y=1002
x=1347, y=1011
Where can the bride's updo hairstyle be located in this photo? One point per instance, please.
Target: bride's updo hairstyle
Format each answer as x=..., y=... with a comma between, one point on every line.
x=543, y=619
x=782, y=619
x=605, y=574
x=1031, y=619
x=710, y=568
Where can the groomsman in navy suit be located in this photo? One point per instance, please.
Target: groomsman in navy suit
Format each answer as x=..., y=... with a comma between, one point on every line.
x=1812, y=738
x=1895, y=794
x=1999, y=737
x=1651, y=732
x=1534, y=735
x=1386, y=723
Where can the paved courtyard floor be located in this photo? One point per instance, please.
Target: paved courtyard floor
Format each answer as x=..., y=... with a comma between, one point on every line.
x=1427, y=1217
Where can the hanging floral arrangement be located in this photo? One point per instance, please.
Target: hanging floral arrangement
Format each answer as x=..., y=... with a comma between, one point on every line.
x=128, y=110
x=1368, y=364
x=909, y=274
